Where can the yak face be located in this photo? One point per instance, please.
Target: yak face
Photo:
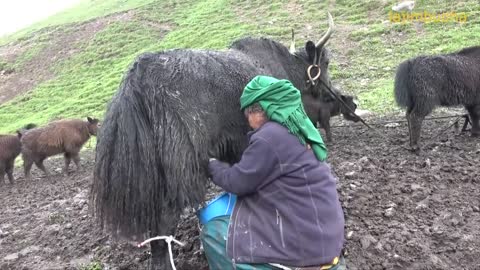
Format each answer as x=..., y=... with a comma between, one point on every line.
x=347, y=114
x=316, y=59
x=93, y=125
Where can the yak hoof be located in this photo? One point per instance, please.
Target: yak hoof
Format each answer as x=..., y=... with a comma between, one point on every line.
x=416, y=149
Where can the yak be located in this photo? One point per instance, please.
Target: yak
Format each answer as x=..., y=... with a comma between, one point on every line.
x=173, y=110
x=323, y=108
x=425, y=82
x=65, y=136
x=10, y=148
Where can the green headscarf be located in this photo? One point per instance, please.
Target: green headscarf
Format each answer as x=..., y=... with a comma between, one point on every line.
x=283, y=104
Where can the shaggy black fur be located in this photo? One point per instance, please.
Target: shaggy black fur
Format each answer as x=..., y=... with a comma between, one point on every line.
x=173, y=108
x=425, y=82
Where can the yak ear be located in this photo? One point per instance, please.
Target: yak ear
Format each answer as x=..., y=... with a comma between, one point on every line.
x=310, y=49
x=90, y=120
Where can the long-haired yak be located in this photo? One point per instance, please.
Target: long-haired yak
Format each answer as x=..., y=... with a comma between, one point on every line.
x=172, y=109
x=424, y=82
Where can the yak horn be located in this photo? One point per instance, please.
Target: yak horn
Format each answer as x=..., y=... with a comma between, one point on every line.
x=327, y=35
x=292, y=45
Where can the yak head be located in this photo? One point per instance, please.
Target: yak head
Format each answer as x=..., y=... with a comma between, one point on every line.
x=349, y=113
x=93, y=125
x=315, y=58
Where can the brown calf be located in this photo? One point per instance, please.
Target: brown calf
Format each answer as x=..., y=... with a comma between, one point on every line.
x=63, y=136
x=10, y=148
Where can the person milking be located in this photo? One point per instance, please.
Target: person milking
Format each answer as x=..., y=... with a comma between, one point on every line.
x=287, y=214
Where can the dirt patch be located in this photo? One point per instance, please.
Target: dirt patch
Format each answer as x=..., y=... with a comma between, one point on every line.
x=402, y=211
x=46, y=224
x=61, y=45
x=405, y=211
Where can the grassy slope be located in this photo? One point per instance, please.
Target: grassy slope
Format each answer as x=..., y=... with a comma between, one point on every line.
x=85, y=10
x=384, y=46
x=84, y=83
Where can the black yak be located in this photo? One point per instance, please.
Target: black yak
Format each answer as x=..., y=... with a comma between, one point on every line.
x=63, y=136
x=10, y=148
x=323, y=108
x=171, y=110
x=424, y=82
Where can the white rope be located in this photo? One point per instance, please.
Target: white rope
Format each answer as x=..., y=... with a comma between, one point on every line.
x=167, y=239
x=283, y=267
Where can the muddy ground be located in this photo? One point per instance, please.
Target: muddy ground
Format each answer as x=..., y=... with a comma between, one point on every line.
x=402, y=211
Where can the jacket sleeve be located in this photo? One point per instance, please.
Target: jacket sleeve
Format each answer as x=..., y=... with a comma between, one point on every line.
x=257, y=163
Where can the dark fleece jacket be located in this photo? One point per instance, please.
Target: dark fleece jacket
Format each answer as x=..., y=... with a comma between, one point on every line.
x=287, y=210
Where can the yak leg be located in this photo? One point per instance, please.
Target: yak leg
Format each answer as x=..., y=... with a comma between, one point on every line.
x=40, y=165
x=415, y=126
x=160, y=256
x=465, y=124
x=409, y=127
x=2, y=174
x=27, y=166
x=9, y=170
x=474, y=112
x=325, y=123
x=76, y=159
x=68, y=158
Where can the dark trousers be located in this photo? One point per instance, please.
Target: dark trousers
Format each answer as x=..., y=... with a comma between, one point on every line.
x=214, y=241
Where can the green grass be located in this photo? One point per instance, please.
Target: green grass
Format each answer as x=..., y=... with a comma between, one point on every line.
x=6, y=66
x=382, y=45
x=83, y=11
x=206, y=24
x=83, y=84
x=92, y=266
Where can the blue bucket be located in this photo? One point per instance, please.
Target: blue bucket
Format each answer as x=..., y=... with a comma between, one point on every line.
x=220, y=206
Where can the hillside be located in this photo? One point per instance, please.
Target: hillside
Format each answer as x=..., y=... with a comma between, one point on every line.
x=71, y=64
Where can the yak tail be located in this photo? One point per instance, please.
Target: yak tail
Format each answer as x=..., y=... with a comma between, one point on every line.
x=403, y=95
x=21, y=131
x=147, y=167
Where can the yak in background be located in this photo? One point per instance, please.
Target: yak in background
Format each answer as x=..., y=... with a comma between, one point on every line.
x=10, y=148
x=425, y=82
x=171, y=110
x=65, y=136
x=322, y=109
